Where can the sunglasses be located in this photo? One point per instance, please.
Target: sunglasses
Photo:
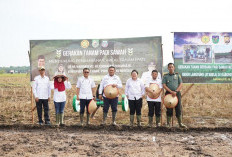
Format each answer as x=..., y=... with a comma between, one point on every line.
x=86, y=72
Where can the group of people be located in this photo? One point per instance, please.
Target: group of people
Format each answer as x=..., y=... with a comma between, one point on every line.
x=135, y=90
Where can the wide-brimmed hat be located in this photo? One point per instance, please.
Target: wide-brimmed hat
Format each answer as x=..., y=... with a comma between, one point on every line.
x=111, y=92
x=92, y=106
x=170, y=101
x=60, y=74
x=155, y=88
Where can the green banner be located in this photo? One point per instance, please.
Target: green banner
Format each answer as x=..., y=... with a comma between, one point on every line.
x=203, y=57
x=71, y=56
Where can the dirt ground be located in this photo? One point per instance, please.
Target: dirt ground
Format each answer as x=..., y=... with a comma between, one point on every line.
x=206, y=111
x=113, y=141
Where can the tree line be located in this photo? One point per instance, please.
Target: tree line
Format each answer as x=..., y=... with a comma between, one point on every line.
x=15, y=69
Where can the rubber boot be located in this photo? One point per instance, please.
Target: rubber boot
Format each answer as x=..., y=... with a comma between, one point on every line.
x=113, y=118
x=139, y=120
x=87, y=122
x=57, y=119
x=168, y=121
x=104, y=118
x=62, y=119
x=157, y=119
x=181, y=125
x=150, y=122
x=81, y=119
x=131, y=120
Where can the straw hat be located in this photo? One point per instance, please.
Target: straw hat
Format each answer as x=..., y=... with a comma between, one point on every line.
x=155, y=88
x=170, y=101
x=111, y=92
x=92, y=106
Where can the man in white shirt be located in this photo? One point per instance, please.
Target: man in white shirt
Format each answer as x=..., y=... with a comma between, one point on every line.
x=154, y=104
x=114, y=80
x=85, y=93
x=42, y=94
x=134, y=91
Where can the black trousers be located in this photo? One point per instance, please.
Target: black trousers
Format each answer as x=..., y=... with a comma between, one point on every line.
x=154, y=106
x=84, y=103
x=178, y=107
x=43, y=103
x=135, y=105
x=112, y=102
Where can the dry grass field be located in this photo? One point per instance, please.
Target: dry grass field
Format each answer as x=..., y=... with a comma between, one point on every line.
x=206, y=111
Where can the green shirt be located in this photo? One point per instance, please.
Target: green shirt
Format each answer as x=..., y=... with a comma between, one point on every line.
x=172, y=81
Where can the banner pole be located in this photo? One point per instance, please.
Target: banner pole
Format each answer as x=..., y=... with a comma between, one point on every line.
x=32, y=113
x=161, y=117
x=32, y=110
x=174, y=64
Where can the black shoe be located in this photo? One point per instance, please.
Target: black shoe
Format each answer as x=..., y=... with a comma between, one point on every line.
x=62, y=125
x=48, y=123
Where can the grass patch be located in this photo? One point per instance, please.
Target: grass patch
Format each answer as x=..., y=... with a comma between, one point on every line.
x=14, y=75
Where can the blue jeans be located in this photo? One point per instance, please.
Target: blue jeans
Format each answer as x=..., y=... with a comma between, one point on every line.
x=108, y=102
x=59, y=106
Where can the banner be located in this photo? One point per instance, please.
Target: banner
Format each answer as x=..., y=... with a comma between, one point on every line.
x=71, y=56
x=203, y=57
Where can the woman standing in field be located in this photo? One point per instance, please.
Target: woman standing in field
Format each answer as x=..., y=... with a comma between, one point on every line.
x=61, y=83
x=134, y=92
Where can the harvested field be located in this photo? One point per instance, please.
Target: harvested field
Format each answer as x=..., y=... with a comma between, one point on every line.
x=206, y=111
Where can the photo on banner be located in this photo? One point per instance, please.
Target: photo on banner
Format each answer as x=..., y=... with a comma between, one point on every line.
x=71, y=56
x=203, y=57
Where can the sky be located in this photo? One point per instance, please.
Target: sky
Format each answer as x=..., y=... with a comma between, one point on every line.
x=24, y=20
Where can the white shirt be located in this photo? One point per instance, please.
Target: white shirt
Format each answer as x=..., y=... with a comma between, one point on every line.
x=107, y=80
x=134, y=89
x=85, y=85
x=61, y=96
x=157, y=81
x=41, y=87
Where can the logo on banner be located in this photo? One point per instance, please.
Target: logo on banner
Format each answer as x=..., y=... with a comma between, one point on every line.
x=104, y=43
x=130, y=51
x=215, y=39
x=58, y=54
x=95, y=43
x=227, y=39
x=85, y=43
x=205, y=39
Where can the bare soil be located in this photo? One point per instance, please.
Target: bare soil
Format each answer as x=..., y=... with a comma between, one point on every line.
x=104, y=141
x=206, y=111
